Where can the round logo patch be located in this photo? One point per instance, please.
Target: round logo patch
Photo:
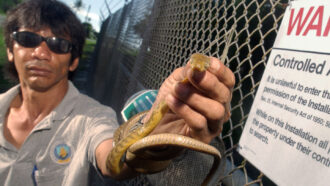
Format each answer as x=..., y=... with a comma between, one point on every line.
x=62, y=153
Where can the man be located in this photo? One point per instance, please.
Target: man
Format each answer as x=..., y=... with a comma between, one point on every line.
x=53, y=135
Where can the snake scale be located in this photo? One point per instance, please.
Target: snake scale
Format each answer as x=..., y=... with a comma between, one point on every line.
x=138, y=140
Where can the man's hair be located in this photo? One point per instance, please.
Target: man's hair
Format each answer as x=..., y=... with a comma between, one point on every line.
x=39, y=14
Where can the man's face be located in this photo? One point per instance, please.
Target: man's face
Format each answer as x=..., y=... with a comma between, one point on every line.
x=39, y=68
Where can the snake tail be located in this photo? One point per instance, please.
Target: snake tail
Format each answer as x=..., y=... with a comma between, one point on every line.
x=181, y=141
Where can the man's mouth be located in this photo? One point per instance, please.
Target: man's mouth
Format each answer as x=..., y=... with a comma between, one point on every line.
x=38, y=71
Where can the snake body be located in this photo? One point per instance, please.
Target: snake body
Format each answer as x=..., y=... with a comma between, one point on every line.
x=137, y=140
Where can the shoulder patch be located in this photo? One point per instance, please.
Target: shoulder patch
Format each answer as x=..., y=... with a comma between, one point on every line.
x=61, y=153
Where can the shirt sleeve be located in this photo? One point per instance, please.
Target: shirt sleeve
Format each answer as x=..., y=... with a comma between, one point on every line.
x=102, y=127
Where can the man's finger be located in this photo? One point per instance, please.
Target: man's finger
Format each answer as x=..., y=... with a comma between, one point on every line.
x=222, y=72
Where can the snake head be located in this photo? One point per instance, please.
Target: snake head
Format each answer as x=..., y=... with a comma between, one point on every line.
x=199, y=62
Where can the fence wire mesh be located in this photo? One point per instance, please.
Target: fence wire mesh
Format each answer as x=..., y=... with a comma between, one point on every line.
x=142, y=43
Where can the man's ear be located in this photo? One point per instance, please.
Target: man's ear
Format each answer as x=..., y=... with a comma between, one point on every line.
x=10, y=55
x=74, y=64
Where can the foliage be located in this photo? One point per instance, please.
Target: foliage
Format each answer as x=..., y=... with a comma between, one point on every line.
x=89, y=30
x=5, y=5
x=3, y=55
x=78, y=4
x=4, y=83
x=88, y=49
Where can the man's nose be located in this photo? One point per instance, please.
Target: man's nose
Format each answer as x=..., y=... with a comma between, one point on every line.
x=42, y=51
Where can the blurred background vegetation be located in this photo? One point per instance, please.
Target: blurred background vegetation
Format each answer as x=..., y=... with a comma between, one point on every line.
x=5, y=5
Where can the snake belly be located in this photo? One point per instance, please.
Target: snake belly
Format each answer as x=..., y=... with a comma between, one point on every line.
x=136, y=140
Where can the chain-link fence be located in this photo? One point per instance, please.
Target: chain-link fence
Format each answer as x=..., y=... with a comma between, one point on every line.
x=143, y=42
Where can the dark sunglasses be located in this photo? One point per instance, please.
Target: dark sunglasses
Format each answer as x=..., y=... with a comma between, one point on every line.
x=30, y=40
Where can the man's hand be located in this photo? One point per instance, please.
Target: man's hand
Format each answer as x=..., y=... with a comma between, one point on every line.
x=198, y=108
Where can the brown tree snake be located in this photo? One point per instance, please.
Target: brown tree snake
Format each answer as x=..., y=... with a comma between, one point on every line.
x=137, y=141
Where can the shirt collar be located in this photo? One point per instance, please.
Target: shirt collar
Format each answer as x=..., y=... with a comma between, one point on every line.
x=59, y=113
x=62, y=111
x=66, y=106
x=6, y=98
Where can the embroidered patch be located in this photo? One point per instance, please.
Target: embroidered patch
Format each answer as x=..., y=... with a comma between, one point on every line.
x=62, y=153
